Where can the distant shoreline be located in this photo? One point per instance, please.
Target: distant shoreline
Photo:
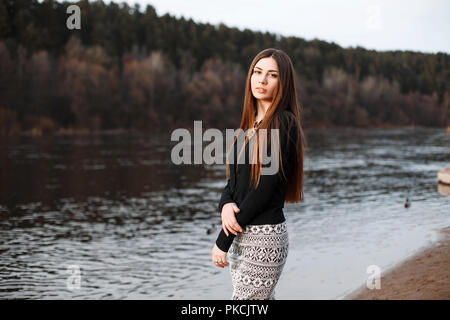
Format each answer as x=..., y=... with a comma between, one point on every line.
x=424, y=276
x=88, y=132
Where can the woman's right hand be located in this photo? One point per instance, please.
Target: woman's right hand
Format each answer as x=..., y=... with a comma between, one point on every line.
x=229, y=222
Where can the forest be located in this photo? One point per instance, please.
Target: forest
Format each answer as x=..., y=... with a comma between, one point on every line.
x=128, y=69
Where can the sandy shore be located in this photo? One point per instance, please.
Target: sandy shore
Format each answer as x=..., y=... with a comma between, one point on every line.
x=424, y=276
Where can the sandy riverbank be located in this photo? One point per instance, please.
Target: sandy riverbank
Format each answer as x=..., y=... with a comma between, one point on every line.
x=424, y=276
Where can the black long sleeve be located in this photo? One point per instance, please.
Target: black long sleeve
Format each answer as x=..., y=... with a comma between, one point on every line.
x=262, y=204
x=226, y=196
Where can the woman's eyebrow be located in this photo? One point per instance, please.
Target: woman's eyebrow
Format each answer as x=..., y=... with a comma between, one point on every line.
x=269, y=70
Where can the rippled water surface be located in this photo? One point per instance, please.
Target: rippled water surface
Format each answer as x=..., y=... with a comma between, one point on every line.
x=135, y=225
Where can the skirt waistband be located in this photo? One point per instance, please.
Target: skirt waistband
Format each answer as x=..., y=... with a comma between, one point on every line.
x=262, y=229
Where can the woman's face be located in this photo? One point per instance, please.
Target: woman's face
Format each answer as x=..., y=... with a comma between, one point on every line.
x=265, y=76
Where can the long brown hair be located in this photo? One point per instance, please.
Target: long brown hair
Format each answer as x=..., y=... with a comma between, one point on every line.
x=284, y=98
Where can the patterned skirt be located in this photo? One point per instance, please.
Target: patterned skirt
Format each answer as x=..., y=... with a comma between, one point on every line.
x=257, y=257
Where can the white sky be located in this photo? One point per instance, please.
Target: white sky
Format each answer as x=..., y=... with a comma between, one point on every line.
x=417, y=25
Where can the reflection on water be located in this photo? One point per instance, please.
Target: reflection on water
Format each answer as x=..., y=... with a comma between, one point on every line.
x=135, y=224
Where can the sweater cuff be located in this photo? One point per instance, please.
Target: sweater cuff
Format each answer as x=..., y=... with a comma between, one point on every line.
x=223, y=242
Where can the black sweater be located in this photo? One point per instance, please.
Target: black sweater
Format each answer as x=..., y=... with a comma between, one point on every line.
x=263, y=205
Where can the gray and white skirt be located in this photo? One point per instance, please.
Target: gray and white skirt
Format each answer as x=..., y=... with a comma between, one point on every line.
x=257, y=257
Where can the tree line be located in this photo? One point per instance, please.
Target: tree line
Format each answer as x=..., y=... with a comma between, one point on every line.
x=129, y=69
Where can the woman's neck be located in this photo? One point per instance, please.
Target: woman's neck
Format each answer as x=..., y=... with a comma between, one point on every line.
x=262, y=107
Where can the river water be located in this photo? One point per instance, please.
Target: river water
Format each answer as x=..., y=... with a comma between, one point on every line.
x=111, y=217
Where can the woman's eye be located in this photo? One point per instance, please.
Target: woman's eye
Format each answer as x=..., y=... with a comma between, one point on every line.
x=257, y=71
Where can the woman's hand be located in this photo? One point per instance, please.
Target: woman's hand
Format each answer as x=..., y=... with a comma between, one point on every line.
x=229, y=222
x=219, y=257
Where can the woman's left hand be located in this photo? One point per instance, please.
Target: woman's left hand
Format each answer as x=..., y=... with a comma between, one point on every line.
x=219, y=257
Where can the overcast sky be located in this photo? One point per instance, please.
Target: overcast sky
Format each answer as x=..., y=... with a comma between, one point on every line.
x=417, y=25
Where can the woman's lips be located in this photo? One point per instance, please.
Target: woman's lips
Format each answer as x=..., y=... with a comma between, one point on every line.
x=260, y=90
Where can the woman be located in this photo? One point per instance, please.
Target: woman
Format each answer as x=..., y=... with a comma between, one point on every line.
x=252, y=203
